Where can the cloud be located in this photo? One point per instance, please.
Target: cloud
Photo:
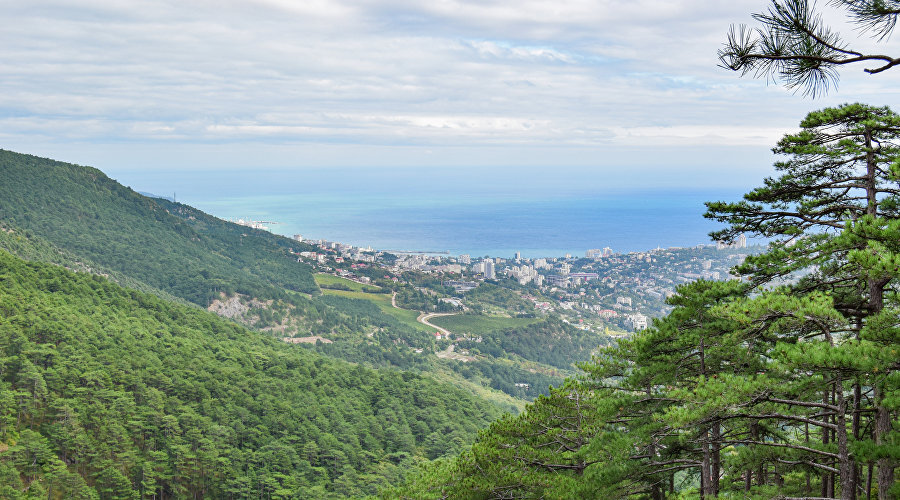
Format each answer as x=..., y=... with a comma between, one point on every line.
x=442, y=75
x=695, y=135
x=495, y=50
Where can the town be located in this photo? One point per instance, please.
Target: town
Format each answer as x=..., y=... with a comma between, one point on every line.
x=601, y=291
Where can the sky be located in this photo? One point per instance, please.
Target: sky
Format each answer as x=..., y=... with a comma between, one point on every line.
x=628, y=91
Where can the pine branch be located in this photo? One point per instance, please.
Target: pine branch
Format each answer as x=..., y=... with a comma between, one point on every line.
x=795, y=46
x=784, y=445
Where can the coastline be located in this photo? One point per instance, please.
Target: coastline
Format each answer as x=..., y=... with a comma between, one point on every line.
x=478, y=227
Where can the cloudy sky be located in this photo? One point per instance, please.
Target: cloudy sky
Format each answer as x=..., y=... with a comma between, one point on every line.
x=599, y=85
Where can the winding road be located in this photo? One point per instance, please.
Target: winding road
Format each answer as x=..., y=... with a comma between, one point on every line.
x=423, y=317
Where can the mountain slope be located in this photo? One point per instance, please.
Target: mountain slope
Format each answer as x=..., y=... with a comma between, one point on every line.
x=166, y=245
x=110, y=391
x=28, y=246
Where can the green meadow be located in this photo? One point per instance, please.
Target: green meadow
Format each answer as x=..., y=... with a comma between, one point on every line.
x=466, y=323
x=382, y=300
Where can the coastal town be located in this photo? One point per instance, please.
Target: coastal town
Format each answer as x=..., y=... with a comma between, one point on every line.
x=602, y=290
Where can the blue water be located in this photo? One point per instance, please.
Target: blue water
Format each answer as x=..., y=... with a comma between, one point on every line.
x=434, y=213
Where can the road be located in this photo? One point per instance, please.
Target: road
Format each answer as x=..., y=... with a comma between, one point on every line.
x=423, y=318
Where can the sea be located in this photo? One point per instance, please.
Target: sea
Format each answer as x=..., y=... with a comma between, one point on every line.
x=468, y=212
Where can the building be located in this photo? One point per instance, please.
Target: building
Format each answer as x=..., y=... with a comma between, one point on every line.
x=489, y=272
x=554, y=280
x=461, y=286
x=525, y=274
x=739, y=242
x=453, y=301
x=607, y=313
x=637, y=321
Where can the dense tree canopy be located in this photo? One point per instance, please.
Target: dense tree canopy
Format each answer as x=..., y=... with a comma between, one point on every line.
x=112, y=393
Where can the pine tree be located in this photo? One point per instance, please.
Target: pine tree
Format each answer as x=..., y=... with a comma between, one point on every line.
x=796, y=46
x=833, y=213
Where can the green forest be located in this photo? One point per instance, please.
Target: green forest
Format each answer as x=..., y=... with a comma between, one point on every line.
x=112, y=393
x=783, y=384
x=169, y=246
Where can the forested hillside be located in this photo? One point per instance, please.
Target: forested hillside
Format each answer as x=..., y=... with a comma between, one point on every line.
x=77, y=217
x=169, y=246
x=112, y=393
x=746, y=389
x=28, y=246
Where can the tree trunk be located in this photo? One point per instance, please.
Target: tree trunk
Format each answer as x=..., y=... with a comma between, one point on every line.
x=826, y=434
x=855, y=429
x=761, y=469
x=808, y=481
x=845, y=462
x=869, y=481
x=716, y=458
x=704, y=466
x=882, y=428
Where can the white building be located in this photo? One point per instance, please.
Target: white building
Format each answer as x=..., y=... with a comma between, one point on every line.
x=739, y=242
x=489, y=272
x=525, y=274
x=637, y=321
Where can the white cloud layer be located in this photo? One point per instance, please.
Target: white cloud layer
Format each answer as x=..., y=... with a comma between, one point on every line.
x=396, y=77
